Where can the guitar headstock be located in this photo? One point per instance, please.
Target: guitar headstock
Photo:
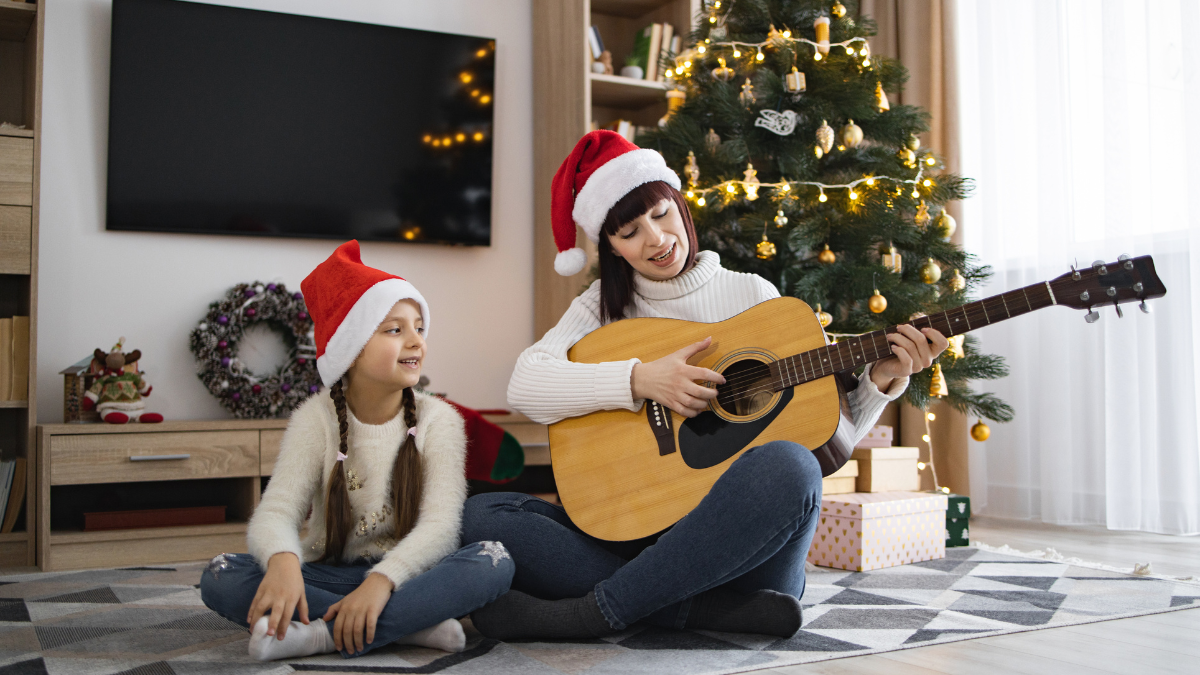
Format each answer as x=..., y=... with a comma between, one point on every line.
x=1114, y=283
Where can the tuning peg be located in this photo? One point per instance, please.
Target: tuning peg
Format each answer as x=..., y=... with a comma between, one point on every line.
x=1144, y=307
x=1125, y=261
x=1099, y=266
x=1092, y=316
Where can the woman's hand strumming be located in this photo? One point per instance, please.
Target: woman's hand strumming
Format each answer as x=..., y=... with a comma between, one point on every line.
x=671, y=381
x=280, y=592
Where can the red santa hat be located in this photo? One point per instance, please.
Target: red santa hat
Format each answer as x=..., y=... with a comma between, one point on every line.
x=347, y=301
x=601, y=170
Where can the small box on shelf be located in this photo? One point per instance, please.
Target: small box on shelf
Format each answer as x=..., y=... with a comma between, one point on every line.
x=880, y=436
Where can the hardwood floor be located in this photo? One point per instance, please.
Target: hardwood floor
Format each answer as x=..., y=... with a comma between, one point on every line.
x=1158, y=643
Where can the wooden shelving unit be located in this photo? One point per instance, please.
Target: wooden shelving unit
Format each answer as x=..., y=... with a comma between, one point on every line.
x=224, y=462
x=569, y=98
x=21, y=37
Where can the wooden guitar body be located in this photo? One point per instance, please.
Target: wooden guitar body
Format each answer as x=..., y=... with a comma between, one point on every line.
x=611, y=476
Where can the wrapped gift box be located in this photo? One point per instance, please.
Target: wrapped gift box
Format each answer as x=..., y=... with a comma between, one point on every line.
x=958, y=506
x=887, y=469
x=880, y=436
x=870, y=531
x=842, y=481
x=957, y=533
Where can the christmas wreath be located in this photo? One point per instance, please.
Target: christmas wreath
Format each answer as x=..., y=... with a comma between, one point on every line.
x=214, y=342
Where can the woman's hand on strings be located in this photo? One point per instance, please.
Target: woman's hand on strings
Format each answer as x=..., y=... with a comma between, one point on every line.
x=912, y=351
x=281, y=592
x=671, y=381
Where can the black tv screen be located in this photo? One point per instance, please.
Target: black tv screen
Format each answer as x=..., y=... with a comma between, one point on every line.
x=236, y=121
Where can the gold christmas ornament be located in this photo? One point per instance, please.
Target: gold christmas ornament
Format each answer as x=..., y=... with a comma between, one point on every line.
x=980, y=431
x=908, y=157
x=892, y=260
x=922, y=216
x=937, y=385
x=751, y=183
x=712, y=141
x=780, y=219
x=956, y=346
x=821, y=27
x=881, y=99
x=945, y=225
x=826, y=256
x=675, y=101
x=877, y=303
x=775, y=37
x=825, y=137
x=931, y=273
x=838, y=10
x=957, y=282
x=852, y=134
x=914, y=142
x=765, y=250
x=747, y=95
x=794, y=82
x=722, y=72
x=692, y=170
x=824, y=317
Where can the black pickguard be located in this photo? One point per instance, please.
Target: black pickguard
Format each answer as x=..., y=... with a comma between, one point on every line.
x=707, y=439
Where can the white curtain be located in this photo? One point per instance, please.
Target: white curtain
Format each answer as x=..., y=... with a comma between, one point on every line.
x=1081, y=126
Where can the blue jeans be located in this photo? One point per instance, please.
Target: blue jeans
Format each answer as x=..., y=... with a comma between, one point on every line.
x=458, y=585
x=751, y=532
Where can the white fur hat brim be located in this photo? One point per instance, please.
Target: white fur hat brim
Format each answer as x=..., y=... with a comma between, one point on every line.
x=612, y=181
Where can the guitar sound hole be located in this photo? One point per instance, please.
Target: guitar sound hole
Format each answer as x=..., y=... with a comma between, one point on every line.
x=747, y=388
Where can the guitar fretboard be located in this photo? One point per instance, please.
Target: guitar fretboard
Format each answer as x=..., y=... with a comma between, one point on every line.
x=867, y=348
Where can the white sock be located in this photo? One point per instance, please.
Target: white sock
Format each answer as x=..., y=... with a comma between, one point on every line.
x=299, y=640
x=447, y=636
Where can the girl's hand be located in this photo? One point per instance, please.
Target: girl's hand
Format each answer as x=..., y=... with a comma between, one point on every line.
x=357, y=613
x=671, y=381
x=280, y=591
x=912, y=352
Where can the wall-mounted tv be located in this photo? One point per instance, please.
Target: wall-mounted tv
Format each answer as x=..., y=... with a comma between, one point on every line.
x=236, y=121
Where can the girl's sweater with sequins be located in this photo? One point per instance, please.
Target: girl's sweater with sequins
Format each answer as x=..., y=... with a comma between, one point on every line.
x=300, y=481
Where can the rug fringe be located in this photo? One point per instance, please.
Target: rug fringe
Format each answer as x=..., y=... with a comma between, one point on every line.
x=1138, y=569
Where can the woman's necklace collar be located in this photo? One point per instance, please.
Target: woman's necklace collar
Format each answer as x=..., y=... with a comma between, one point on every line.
x=706, y=265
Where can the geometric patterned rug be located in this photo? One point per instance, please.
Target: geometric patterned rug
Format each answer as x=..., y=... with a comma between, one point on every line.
x=150, y=621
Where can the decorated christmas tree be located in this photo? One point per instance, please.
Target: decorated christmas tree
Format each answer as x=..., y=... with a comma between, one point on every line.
x=798, y=169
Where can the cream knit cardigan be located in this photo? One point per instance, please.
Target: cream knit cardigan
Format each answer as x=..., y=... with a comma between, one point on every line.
x=306, y=458
x=547, y=387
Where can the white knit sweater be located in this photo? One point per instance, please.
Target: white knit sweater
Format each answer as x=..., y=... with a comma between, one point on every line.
x=547, y=387
x=306, y=458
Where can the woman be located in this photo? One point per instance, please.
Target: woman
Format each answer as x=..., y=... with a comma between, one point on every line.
x=736, y=562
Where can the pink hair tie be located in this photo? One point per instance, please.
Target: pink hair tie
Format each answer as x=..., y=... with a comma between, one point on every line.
x=340, y=456
x=412, y=431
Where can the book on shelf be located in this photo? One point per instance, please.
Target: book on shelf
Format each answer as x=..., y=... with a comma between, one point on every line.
x=595, y=42
x=6, y=361
x=664, y=51
x=623, y=127
x=16, y=495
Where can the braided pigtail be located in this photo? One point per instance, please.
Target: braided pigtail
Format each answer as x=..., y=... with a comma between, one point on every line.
x=338, y=516
x=406, y=475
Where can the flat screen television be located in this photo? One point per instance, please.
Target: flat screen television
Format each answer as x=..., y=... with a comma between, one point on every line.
x=237, y=121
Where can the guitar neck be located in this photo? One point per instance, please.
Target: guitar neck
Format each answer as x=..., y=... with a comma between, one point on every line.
x=860, y=350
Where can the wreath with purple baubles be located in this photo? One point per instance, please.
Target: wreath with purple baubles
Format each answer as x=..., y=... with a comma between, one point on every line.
x=214, y=342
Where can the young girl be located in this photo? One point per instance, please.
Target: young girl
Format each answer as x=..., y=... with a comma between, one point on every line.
x=382, y=469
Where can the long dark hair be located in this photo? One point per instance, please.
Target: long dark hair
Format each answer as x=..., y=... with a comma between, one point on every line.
x=406, y=480
x=616, y=274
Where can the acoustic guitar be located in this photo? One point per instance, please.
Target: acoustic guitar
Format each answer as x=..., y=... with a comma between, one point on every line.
x=625, y=475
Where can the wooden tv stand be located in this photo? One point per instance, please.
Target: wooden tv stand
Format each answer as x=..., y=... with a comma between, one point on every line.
x=226, y=462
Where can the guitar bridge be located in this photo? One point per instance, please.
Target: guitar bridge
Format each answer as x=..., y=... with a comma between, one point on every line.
x=659, y=417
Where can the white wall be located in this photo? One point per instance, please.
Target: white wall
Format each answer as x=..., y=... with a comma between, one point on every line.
x=96, y=286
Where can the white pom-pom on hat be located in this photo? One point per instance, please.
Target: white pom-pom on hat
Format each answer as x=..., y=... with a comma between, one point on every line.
x=570, y=262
